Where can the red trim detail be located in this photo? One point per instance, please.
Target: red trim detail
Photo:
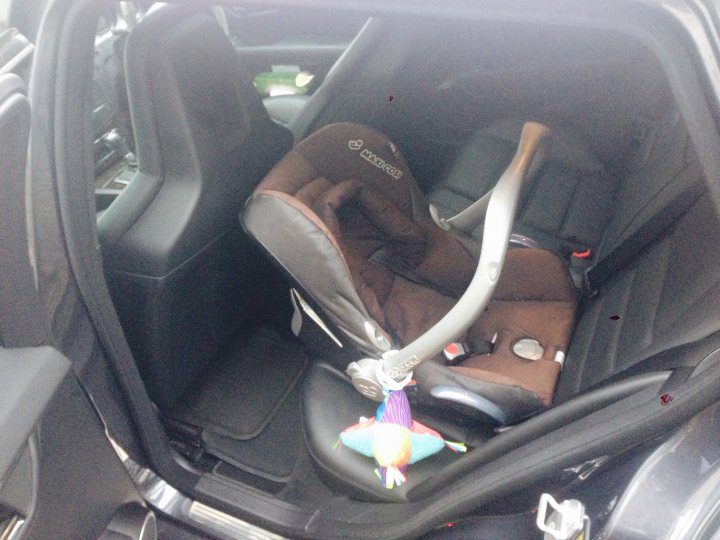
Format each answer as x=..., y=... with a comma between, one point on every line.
x=582, y=254
x=452, y=349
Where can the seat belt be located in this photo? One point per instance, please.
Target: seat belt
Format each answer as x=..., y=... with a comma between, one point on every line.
x=600, y=272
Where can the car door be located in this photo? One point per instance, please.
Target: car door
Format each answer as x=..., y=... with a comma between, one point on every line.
x=59, y=475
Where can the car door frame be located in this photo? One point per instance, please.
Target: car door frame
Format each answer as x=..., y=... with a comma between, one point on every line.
x=51, y=440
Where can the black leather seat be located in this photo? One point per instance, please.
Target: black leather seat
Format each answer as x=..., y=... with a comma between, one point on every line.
x=330, y=405
x=170, y=241
x=567, y=204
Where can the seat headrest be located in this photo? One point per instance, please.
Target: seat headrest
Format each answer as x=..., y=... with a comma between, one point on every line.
x=189, y=95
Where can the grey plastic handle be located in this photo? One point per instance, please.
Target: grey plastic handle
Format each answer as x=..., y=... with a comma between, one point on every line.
x=499, y=218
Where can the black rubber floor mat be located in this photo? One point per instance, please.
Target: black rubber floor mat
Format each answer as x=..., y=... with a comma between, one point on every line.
x=270, y=455
x=237, y=395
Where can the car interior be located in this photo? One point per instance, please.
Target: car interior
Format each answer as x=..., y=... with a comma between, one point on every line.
x=528, y=190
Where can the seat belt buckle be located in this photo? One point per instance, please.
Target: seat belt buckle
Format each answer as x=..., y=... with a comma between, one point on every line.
x=591, y=291
x=580, y=263
x=457, y=351
x=581, y=259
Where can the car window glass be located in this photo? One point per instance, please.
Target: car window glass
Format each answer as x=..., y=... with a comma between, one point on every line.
x=4, y=14
x=286, y=52
x=289, y=52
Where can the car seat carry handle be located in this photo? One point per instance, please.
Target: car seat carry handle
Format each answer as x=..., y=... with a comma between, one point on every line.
x=533, y=150
x=499, y=219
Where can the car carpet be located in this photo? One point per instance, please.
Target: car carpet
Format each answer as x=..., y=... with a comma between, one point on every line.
x=237, y=395
x=277, y=461
x=270, y=455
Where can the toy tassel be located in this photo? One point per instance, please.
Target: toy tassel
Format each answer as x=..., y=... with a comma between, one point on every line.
x=456, y=446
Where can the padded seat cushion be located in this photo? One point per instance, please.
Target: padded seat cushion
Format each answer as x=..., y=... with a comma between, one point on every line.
x=549, y=322
x=529, y=302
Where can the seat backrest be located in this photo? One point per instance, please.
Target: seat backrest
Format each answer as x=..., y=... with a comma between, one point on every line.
x=664, y=166
x=669, y=294
x=203, y=141
x=564, y=206
x=318, y=111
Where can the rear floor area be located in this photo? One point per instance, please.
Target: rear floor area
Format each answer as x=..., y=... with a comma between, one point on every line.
x=238, y=394
x=241, y=418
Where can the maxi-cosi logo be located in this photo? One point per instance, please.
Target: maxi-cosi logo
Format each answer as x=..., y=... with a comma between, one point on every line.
x=379, y=162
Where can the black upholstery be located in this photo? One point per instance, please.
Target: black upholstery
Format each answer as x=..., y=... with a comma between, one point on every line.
x=170, y=240
x=664, y=164
x=663, y=296
x=668, y=296
x=565, y=206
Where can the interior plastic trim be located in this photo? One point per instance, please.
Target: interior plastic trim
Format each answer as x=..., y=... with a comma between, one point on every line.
x=169, y=501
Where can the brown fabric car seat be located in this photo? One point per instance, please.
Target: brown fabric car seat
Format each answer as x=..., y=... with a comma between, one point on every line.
x=343, y=215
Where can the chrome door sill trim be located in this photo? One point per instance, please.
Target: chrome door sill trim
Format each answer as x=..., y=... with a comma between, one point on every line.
x=169, y=501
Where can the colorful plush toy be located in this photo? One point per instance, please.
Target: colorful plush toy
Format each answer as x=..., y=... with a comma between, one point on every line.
x=394, y=439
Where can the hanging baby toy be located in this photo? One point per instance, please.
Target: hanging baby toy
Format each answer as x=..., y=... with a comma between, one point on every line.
x=393, y=438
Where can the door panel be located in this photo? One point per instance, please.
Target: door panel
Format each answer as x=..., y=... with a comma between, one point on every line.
x=30, y=378
x=59, y=475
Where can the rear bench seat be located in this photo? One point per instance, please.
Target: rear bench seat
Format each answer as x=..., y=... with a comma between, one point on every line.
x=667, y=294
x=568, y=205
x=665, y=297
x=554, y=207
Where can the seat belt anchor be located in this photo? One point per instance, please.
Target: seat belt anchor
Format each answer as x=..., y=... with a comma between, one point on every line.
x=562, y=521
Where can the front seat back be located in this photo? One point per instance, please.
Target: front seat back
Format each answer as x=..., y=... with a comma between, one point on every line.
x=170, y=240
